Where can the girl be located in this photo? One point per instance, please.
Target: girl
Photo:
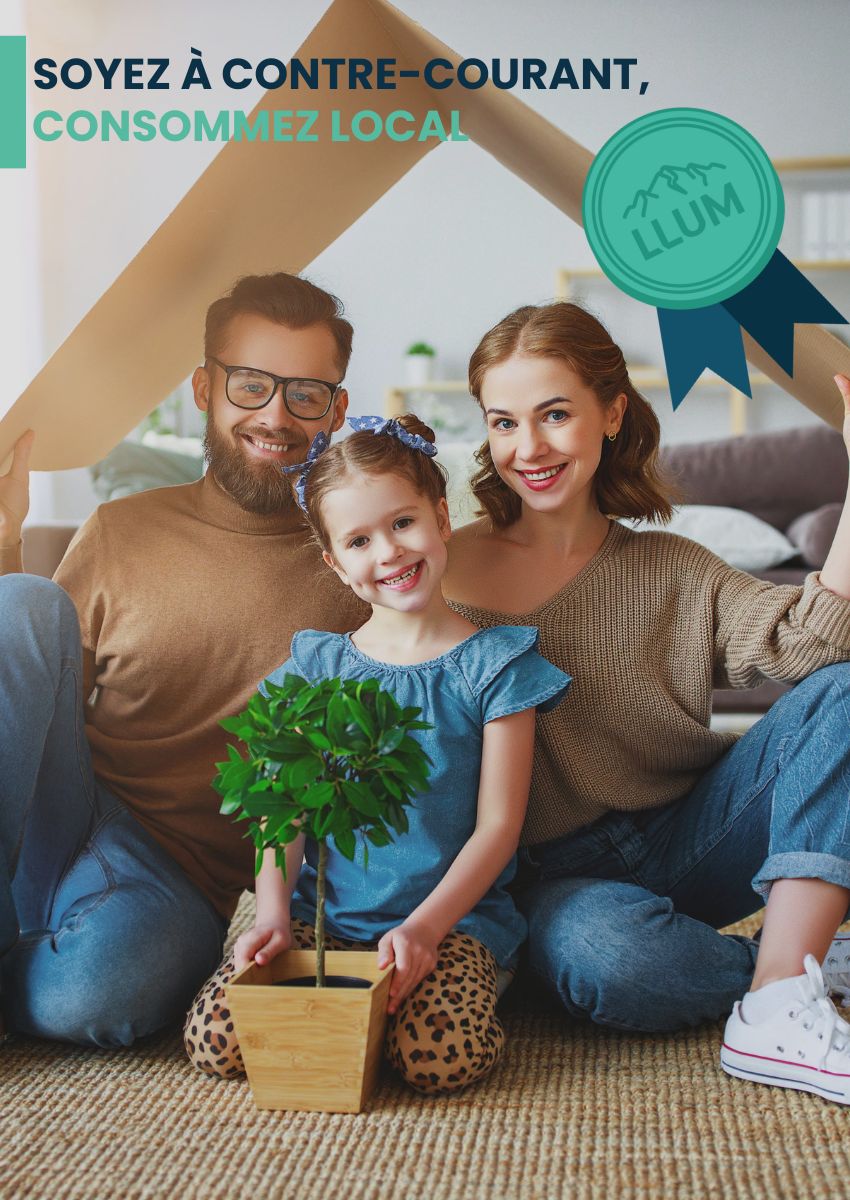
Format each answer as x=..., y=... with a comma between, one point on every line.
x=434, y=902
x=646, y=830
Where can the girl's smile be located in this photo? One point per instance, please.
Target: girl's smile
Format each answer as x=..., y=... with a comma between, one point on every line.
x=405, y=580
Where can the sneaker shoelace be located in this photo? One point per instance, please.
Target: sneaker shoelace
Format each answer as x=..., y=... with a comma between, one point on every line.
x=817, y=1008
x=838, y=970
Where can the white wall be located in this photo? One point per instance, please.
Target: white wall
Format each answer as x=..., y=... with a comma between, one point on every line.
x=459, y=241
x=21, y=308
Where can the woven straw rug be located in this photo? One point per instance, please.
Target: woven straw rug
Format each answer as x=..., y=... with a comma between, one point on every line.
x=571, y=1111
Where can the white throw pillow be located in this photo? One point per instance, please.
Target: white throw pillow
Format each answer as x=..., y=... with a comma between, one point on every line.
x=741, y=539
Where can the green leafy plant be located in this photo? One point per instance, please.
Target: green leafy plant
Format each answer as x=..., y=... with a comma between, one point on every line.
x=331, y=759
x=422, y=348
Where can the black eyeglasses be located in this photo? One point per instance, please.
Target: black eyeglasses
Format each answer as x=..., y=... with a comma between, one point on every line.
x=307, y=399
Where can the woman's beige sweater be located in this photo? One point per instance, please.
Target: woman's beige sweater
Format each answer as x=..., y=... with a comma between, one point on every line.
x=647, y=629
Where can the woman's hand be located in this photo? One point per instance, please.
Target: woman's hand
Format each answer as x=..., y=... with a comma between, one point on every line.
x=835, y=572
x=414, y=950
x=15, y=493
x=261, y=944
x=844, y=387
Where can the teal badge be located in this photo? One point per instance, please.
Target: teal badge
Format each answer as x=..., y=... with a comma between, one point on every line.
x=683, y=210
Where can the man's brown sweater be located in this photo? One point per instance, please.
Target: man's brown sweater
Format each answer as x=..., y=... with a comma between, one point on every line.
x=650, y=626
x=185, y=602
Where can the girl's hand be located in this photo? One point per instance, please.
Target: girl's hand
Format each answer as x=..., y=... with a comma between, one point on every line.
x=844, y=387
x=261, y=944
x=14, y=492
x=414, y=952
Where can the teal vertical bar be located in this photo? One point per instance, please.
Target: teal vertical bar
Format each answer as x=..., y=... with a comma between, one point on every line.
x=13, y=101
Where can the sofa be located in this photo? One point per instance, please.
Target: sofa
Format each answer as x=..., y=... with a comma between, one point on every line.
x=793, y=482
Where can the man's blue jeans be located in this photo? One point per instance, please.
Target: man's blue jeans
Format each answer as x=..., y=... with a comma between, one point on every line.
x=103, y=937
x=623, y=914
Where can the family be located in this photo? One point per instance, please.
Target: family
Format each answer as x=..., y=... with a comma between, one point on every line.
x=583, y=823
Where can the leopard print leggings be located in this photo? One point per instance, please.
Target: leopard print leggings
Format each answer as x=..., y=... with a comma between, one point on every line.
x=444, y=1036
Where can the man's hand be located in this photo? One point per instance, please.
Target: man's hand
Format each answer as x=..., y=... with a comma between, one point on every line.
x=414, y=951
x=15, y=492
x=261, y=944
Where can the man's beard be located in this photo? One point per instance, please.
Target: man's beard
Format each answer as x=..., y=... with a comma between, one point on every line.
x=256, y=486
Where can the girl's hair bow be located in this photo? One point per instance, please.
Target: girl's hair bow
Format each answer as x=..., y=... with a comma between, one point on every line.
x=393, y=428
x=318, y=446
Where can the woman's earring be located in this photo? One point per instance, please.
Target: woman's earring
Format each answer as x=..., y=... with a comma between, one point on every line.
x=612, y=437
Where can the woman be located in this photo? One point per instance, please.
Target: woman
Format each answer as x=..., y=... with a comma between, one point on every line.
x=647, y=831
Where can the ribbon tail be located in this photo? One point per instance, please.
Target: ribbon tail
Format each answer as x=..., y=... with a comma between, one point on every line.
x=776, y=300
x=697, y=339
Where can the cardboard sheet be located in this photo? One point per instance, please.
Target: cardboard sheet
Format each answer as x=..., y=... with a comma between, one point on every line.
x=143, y=331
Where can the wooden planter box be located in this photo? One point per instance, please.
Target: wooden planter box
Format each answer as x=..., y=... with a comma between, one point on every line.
x=305, y=1048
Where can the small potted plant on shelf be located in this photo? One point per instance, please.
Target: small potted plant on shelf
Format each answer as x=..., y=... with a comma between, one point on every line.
x=419, y=362
x=336, y=760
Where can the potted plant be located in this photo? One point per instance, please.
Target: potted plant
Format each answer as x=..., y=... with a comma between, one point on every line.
x=336, y=760
x=419, y=362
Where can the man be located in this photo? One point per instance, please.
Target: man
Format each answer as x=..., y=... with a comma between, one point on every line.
x=118, y=876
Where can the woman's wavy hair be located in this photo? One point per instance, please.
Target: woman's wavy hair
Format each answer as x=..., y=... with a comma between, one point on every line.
x=367, y=453
x=628, y=482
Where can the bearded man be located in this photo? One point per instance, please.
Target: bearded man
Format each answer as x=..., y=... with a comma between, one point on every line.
x=118, y=875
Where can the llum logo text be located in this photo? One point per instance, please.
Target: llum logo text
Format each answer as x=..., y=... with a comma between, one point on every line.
x=680, y=203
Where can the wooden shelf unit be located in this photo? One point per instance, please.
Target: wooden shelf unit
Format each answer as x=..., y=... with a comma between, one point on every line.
x=395, y=397
x=646, y=376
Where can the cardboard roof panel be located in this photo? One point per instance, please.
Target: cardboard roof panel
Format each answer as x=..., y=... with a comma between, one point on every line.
x=143, y=331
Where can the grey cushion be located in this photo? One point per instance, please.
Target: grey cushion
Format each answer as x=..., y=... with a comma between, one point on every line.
x=813, y=533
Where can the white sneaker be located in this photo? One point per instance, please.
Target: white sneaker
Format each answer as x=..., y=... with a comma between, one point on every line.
x=803, y=1045
x=836, y=967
